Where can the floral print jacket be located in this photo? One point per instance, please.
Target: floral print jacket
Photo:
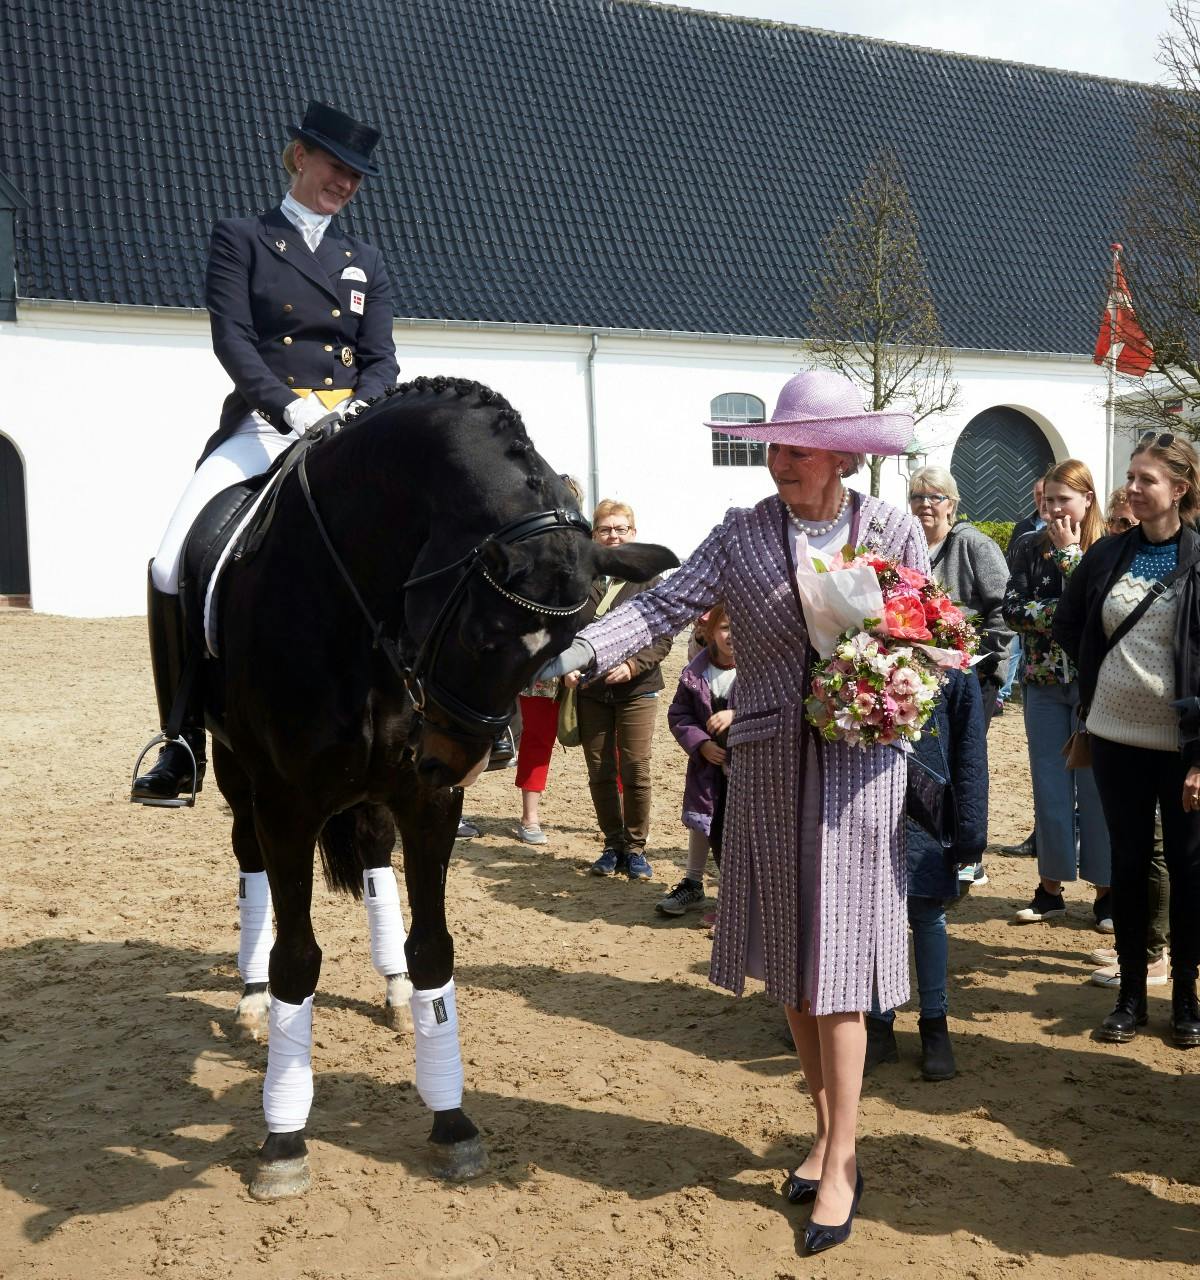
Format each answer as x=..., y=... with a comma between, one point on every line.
x=1037, y=581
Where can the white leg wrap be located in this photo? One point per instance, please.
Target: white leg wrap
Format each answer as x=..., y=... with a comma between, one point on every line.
x=288, y=1088
x=257, y=935
x=381, y=894
x=439, y=1064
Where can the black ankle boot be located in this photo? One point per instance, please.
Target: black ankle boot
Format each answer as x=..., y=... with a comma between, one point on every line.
x=1185, y=1014
x=881, y=1044
x=171, y=775
x=1130, y=1013
x=937, y=1057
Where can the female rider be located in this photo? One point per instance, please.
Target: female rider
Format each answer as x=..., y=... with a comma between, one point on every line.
x=301, y=318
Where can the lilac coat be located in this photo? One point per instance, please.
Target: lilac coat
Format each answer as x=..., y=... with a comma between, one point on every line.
x=848, y=931
x=686, y=718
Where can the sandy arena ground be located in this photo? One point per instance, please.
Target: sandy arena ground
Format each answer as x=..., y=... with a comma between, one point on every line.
x=638, y=1119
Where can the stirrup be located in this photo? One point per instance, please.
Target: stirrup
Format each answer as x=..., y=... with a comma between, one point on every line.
x=165, y=802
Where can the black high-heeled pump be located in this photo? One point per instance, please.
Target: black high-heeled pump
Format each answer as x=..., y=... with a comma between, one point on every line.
x=798, y=1190
x=818, y=1238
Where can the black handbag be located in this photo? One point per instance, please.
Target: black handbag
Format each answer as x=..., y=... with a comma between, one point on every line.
x=929, y=798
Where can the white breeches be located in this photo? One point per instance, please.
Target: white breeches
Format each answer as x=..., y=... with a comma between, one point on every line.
x=247, y=453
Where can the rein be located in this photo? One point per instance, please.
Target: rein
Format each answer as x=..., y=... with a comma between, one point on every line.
x=418, y=679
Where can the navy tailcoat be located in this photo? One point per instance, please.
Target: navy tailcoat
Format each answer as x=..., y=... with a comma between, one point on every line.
x=283, y=317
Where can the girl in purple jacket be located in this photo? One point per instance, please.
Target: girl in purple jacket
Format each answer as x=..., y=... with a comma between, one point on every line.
x=699, y=717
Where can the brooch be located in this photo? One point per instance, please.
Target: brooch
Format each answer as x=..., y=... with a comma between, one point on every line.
x=281, y=245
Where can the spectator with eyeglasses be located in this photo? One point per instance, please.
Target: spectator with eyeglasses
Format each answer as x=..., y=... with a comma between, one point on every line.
x=617, y=713
x=973, y=570
x=1042, y=565
x=1119, y=517
x=969, y=565
x=1141, y=590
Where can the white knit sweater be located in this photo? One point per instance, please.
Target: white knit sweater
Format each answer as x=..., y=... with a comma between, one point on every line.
x=1132, y=703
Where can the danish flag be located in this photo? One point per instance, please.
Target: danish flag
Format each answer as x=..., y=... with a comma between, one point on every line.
x=1121, y=338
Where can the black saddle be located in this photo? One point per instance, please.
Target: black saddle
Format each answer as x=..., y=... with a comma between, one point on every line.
x=218, y=520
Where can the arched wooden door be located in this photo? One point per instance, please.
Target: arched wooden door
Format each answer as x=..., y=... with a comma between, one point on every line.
x=999, y=455
x=14, y=536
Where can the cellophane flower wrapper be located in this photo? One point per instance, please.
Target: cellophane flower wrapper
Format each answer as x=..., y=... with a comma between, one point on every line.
x=881, y=678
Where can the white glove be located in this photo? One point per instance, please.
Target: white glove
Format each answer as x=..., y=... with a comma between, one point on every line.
x=349, y=410
x=303, y=412
x=578, y=657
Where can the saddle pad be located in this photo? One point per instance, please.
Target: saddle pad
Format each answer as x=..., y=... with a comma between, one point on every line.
x=210, y=591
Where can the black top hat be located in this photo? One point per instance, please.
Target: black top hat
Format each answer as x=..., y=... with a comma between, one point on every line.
x=334, y=131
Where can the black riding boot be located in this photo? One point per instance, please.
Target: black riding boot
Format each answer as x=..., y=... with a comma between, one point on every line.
x=937, y=1057
x=881, y=1044
x=1130, y=1013
x=1185, y=1014
x=172, y=772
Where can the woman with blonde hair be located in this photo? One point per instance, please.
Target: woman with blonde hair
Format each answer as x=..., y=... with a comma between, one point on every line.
x=1041, y=566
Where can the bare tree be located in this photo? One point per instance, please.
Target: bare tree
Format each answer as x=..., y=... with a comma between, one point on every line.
x=1162, y=263
x=872, y=313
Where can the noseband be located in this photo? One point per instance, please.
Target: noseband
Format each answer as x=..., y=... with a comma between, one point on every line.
x=467, y=724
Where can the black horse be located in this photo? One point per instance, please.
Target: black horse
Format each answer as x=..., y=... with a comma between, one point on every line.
x=421, y=566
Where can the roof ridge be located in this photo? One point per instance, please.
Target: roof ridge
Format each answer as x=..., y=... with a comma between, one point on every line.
x=749, y=20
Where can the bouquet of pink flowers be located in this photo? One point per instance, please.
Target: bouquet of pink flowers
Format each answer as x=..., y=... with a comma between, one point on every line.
x=881, y=678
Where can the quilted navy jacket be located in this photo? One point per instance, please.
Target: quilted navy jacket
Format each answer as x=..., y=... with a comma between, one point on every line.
x=958, y=716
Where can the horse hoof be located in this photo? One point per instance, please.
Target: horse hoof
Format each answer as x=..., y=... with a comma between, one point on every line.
x=458, y=1161
x=251, y=1019
x=397, y=1012
x=279, y=1179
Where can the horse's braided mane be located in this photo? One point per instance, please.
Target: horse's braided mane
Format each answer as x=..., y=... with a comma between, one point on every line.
x=507, y=419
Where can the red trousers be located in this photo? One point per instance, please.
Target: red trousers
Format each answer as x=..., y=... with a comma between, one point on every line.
x=539, y=733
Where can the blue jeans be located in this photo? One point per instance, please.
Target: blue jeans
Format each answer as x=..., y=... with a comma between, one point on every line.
x=927, y=920
x=1064, y=851
x=1010, y=676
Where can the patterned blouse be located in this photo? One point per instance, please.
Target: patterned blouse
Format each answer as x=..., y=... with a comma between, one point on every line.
x=1037, y=581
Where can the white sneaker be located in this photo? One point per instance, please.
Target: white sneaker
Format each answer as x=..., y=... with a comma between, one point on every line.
x=1105, y=956
x=1156, y=974
x=533, y=834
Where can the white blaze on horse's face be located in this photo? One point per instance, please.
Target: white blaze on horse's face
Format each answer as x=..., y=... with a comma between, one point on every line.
x=536, y=641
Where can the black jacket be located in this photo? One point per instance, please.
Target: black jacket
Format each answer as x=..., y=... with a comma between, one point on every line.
x=646, y=663
x=957, y=726
x=1078, y=627
x=1020, y=530
x=284, y=317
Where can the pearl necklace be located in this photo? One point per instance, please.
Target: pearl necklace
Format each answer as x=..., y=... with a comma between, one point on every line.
x=815, y=530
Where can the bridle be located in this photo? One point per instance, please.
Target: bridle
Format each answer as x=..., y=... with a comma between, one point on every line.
x=466, y=724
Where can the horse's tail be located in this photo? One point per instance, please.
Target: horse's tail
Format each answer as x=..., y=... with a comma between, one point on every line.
x=359, y=837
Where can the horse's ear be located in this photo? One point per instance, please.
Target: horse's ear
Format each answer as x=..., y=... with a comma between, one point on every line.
x=634, y=562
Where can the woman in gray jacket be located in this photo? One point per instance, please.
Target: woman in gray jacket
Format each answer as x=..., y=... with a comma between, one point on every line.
x=969, y=565
x=973, y=570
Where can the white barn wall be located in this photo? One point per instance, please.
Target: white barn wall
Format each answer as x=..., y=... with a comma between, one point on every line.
x=143, y=391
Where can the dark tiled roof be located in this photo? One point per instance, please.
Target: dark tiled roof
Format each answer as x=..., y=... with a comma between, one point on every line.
x=594, y=162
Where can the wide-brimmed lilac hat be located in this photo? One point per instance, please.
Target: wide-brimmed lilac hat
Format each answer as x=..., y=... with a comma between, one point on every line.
x=823, y=410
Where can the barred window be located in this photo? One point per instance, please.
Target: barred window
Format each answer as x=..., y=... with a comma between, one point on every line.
x=729, y=451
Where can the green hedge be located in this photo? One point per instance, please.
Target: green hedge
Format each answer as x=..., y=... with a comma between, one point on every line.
x=998, y=530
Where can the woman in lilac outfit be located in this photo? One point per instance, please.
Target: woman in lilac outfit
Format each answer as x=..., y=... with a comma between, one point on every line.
x=813, y=855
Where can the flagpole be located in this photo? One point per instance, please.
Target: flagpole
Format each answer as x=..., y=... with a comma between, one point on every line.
x=1110, y=407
